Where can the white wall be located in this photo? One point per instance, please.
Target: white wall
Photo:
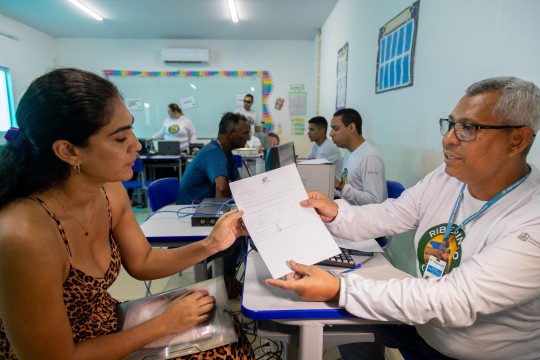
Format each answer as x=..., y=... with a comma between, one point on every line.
x=27, y=57
x=458, y=43
x=289, y=62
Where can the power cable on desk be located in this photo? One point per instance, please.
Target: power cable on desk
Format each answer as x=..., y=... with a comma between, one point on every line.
x=247, y=239
x=181, y=213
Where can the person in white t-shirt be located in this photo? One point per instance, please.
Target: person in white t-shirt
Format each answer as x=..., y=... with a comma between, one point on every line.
x=250, y=115
x=362, y=179
x=177, y=127
x=477, y=241
x=323, y=148
x=254, y=142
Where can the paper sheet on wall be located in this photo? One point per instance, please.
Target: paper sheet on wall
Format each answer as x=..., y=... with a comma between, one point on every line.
x=281, y=229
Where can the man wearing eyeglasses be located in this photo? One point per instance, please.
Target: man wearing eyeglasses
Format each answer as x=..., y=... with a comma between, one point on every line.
x=477, y=241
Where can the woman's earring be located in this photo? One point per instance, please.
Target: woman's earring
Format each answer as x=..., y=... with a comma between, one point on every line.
x=77, y=168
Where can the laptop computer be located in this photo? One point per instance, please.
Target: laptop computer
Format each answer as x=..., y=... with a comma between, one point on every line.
x=168, y=147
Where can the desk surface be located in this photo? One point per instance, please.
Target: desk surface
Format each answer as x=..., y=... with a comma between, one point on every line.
x=165, y=227
x=264, y=302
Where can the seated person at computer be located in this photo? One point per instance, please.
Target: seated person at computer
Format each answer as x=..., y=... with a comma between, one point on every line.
x=323, y=148
x=177, y=127
x=209, y=173
x=273, y=138
x=362, y=179
x=254, y=142
x=261, y=133
x=208, y=176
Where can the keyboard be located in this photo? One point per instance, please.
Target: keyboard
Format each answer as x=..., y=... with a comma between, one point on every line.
x=341, y=260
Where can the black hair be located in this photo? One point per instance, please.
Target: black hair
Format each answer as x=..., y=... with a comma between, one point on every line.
x=320, y=121
x=228, y=121
x=274, y=135
x=349, y=116
x=64, y=104
x=175, y=107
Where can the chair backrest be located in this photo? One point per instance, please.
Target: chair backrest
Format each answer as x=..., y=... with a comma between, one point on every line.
x=394, y=188
x=138, y=166
x=162, y=192
x=238, y=160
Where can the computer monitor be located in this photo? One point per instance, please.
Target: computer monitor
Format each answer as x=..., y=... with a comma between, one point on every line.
x=168, y=147
x=147, y=147
x=279, y=156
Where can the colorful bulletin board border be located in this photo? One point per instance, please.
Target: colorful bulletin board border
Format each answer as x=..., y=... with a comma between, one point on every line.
x=397, y=43
x=265, y=75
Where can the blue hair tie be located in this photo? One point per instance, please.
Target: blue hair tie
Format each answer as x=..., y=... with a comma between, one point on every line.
x=15, y=137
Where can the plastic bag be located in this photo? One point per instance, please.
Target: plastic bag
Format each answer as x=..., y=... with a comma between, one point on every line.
x=217, y=331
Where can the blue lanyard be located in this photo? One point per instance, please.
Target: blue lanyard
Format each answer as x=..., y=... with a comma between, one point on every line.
x=482, y=210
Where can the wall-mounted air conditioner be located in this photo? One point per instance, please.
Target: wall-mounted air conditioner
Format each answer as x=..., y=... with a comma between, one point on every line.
x=190, y=56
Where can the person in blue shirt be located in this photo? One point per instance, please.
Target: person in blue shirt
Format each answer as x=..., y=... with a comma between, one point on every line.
x=208, y=176
x=210, y=171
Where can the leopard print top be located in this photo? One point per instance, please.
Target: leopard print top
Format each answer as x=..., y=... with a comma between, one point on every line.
x=92, y=311
x=90, y=308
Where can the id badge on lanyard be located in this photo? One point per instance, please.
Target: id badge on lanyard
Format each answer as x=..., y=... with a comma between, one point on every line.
x=436, y=266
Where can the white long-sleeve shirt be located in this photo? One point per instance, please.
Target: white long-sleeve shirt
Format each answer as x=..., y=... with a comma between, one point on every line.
x=488, y=306
x=181, y=129
x=363, y=176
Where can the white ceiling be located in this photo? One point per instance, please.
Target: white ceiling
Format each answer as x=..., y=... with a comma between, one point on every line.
x=173, y=19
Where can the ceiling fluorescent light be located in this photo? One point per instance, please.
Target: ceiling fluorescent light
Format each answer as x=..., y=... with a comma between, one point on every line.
x=87, y=10
x=232, y=9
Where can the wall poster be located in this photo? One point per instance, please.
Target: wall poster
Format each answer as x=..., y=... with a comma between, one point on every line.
x=397, y=42
x=341, y=91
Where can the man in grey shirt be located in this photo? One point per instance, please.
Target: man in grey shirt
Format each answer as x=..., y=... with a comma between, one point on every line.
x=362, y=180
x=323, y=148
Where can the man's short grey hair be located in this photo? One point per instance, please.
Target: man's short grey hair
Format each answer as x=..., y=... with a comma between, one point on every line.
x=519, y=103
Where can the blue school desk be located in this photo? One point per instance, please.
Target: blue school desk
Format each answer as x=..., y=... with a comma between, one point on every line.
x=310, y=327
x=166, y=229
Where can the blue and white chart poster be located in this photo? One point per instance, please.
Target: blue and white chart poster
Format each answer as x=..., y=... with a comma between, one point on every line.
x=341, y=92
x=397, y=42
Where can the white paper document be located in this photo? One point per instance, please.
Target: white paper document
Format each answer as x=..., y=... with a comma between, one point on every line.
x=281, y=229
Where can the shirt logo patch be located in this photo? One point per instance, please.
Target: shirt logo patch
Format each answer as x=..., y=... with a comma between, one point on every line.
x=431, y=244
x=527, y=238
x=174, y=129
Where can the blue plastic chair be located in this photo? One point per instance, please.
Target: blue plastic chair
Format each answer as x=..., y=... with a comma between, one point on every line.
x=140, y=184
x=162, y=192
x=394, y=189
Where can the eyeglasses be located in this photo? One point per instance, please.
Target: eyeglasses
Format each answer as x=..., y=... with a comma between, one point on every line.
x=467, y=132
x=247, y=101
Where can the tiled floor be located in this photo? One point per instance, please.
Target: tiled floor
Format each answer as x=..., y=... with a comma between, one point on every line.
x=128, y=288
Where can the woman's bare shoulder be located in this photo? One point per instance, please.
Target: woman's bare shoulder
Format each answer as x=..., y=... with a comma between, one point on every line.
x=118, y=198
x=26, y=227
